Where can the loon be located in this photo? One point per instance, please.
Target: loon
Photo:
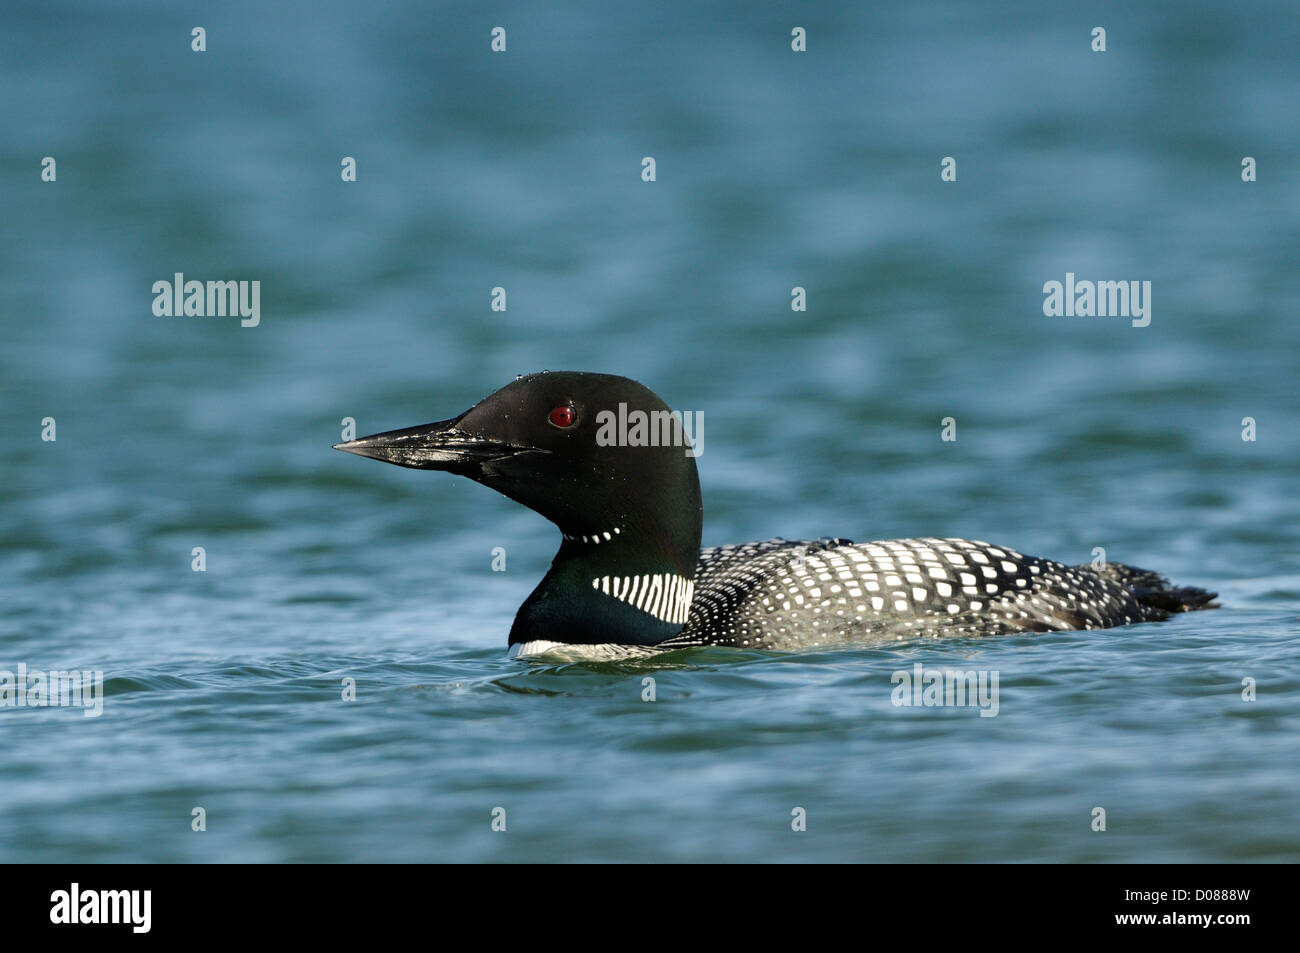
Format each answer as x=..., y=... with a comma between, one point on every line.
x=630, y=579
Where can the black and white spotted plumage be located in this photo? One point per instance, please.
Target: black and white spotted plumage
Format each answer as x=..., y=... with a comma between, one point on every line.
x=630, y=580
x=794, y=594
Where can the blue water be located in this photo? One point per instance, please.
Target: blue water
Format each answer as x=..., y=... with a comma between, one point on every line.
x=522, y=170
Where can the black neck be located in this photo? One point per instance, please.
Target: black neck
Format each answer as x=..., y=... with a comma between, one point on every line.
x=630, y=589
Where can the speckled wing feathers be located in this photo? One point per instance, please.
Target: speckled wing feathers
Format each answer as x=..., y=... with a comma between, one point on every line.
x=793, y=594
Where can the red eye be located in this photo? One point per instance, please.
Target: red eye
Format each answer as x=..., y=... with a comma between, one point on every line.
x=563, y=416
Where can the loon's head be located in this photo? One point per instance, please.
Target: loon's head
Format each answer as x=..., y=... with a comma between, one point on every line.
x=577, y=448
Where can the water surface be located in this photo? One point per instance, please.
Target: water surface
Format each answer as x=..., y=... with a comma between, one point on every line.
x=522, y=170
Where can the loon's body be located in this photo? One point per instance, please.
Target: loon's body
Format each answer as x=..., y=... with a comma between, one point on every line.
x=630, y=579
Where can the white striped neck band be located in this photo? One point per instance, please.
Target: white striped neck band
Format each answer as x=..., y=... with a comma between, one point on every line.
x=596, y=538
x=666, y=596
